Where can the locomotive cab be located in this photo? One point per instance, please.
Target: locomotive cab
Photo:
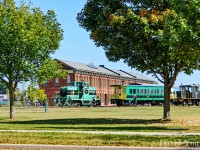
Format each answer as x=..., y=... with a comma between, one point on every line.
x=119, y=95
x=188, y=95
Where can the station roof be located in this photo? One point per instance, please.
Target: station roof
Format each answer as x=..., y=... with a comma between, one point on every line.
x=101, y=69
x=87, y=67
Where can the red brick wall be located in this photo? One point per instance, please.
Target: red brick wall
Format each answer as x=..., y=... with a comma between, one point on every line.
x=102, y=84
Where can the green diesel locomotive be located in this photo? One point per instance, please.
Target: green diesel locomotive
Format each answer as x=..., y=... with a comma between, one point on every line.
x=78, y=94
x=187, y=95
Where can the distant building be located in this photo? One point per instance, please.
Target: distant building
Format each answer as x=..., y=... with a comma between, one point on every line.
x=3, y=96
x=100, y=77
x=3, y=99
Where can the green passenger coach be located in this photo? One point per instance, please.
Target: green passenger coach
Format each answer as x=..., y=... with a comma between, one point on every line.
x=144, y=94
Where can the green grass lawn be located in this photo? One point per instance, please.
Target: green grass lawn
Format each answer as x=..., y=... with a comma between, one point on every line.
x=129, y=119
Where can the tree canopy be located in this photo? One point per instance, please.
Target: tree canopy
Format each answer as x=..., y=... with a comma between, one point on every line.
x=160, y=37
x=27, y=39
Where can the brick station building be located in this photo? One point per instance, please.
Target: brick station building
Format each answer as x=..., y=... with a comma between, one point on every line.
x=100, y=77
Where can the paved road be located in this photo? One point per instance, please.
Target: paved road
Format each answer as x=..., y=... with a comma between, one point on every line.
x=69, y=147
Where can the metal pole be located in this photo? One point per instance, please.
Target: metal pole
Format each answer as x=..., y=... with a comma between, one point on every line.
x=45, y=106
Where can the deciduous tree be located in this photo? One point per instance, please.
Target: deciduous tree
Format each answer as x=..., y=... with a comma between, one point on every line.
x=27, y=39
x=160, y=37
x=36, y=93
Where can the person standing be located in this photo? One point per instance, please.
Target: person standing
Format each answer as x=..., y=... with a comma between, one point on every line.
x=135, y=100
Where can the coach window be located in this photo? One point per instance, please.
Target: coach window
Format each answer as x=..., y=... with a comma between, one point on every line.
x=155, y=91
x=131, y=91
x=145, y=91
x=137, y=91
x=134, y=91
x=151, y=91
x=124, y=91
x=141, y=91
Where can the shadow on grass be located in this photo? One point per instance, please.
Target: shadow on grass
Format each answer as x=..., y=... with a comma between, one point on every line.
x=124, y=128
x=57, y=124
x=89, y=121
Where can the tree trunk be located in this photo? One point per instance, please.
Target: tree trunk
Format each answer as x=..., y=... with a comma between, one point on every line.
x=166, y=115
x=12, y=111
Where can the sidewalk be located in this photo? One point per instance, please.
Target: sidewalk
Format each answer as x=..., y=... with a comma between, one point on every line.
x=72, y=147
x=110, y=132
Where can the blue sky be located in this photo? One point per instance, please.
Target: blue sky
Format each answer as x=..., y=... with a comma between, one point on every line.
x=78, y=47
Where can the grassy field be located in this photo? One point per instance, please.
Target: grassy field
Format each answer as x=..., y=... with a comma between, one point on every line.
x=129, y=119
